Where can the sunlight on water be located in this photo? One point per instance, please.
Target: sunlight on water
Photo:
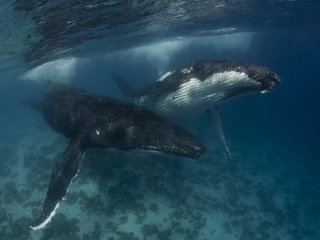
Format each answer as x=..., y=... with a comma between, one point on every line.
x=18, y=31
x=61, y=71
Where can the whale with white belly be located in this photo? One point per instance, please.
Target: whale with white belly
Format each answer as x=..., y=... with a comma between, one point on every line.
x=201, y=86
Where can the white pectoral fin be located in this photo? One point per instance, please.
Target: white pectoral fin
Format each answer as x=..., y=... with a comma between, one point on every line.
x=216, y=126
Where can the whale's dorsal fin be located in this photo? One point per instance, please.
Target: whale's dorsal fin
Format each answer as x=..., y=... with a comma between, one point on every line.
x=125, y=88
x=216, y=126
x=65, y=169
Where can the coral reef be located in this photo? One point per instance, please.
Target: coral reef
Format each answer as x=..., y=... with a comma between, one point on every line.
x=3, y=215
x=95, y=234
x=92, y=205
x=12, y=194
x=125, y=235
x=153, y=207
x=62, y=229
x=13, y=228
x=8, y=158
x=123, y=220
x=40, y=169
x=131, y=196
x=71, y=198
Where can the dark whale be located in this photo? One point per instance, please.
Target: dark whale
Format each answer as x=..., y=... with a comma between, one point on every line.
x=90, y=120
x=201, y=86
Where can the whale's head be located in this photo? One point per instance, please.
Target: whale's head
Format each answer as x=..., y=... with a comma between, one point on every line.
x=159, y=135
x=237, y=78
x=129, y=127
x=265, y=78
x=172, y=139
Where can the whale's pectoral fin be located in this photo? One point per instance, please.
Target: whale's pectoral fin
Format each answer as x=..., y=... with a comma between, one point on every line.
x=216, y=126
x=64, y=171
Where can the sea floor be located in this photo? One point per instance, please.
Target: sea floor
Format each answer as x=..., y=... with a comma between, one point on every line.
x=259, y=194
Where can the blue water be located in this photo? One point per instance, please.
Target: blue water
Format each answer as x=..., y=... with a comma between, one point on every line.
x=269, y=190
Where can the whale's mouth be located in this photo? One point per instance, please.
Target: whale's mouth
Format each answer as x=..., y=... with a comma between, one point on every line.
x=267, y=83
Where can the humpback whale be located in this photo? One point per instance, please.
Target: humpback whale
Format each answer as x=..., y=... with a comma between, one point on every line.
x=89, y=120
x=201, y=86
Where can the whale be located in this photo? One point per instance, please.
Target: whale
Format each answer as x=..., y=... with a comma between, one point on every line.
x=94, y=121
x=201, y=87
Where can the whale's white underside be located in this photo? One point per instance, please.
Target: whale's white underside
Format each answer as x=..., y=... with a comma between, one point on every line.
x=196, y=95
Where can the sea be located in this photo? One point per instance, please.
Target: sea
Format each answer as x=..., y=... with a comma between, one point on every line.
x=269, y=189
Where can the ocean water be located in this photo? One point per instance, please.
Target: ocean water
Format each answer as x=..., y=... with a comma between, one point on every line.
x=270, y=189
